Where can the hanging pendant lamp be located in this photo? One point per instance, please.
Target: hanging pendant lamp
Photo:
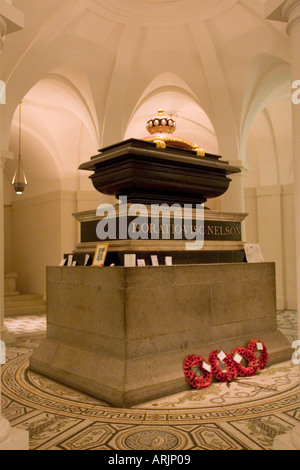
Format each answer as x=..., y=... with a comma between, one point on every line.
x=19, y=180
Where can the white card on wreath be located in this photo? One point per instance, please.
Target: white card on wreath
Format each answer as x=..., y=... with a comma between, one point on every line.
x=237, y=358
x=206, y=367
x=221, y=356
x=259, y=346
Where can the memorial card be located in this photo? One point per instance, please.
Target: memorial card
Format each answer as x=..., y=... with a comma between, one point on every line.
x=141, y=262
x=168, y=261
x=129, y=261
x=237, y=358
x=253, y=253
x=63, y=262
x=86, y=260
x=100, y=254
x=221, y=356
x=154, y=260
x=70, y=260
x=206, y=367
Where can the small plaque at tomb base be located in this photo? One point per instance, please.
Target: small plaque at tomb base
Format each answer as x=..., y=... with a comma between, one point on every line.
x=253, y=253
x=129, y=260
x=168, y=261
x=154, y=260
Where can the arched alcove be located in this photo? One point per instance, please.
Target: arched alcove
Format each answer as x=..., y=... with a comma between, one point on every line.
x=268, y=80
x=269, y=146
x=58, y=132
x=169, y=92
x=269, y=191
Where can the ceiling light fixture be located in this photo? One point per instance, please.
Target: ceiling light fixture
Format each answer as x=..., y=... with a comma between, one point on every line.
x=19, y=180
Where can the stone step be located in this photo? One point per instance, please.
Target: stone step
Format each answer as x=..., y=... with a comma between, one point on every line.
x=24, y=304
x=21, y=298
x=30, y=303
x=26, y=309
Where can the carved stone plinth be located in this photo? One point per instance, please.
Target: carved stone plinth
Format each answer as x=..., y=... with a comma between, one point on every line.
x=122, y=334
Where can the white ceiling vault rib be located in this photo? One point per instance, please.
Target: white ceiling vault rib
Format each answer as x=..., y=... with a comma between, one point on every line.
x=163, y=89
x=221, y=109
x=266, y=87
x=32, y=65
x=110, y=82
x=223, y=66
x=197, y=46
x=122, y=84
x=273, y=144
x=91, y=121
x=54, y=26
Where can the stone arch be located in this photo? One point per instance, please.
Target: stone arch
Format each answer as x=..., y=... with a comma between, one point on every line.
x=58, y=119
x=170, y=92
x=268, y=80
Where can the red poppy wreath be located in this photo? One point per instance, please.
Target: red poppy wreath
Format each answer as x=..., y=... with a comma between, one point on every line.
x=227, y=374
x=190, y=366
x=237, y=355
x=258, y=346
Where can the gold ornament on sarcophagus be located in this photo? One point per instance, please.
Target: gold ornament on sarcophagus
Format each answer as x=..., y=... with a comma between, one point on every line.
x=199, y=152
x=161, y=129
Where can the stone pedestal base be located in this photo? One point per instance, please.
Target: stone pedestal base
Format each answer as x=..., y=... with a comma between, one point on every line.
x=12, y=438
x=122, y=334
x=10, y=284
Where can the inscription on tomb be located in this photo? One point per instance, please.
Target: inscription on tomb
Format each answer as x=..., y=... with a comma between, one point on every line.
x=210, y=229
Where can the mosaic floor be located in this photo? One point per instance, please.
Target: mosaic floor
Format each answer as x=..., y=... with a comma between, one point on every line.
x=247, y=415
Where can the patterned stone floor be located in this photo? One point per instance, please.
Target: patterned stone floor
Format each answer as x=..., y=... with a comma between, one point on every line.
x=247, y=415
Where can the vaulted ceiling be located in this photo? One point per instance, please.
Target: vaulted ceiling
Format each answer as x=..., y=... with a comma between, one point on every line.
x=91, y=72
